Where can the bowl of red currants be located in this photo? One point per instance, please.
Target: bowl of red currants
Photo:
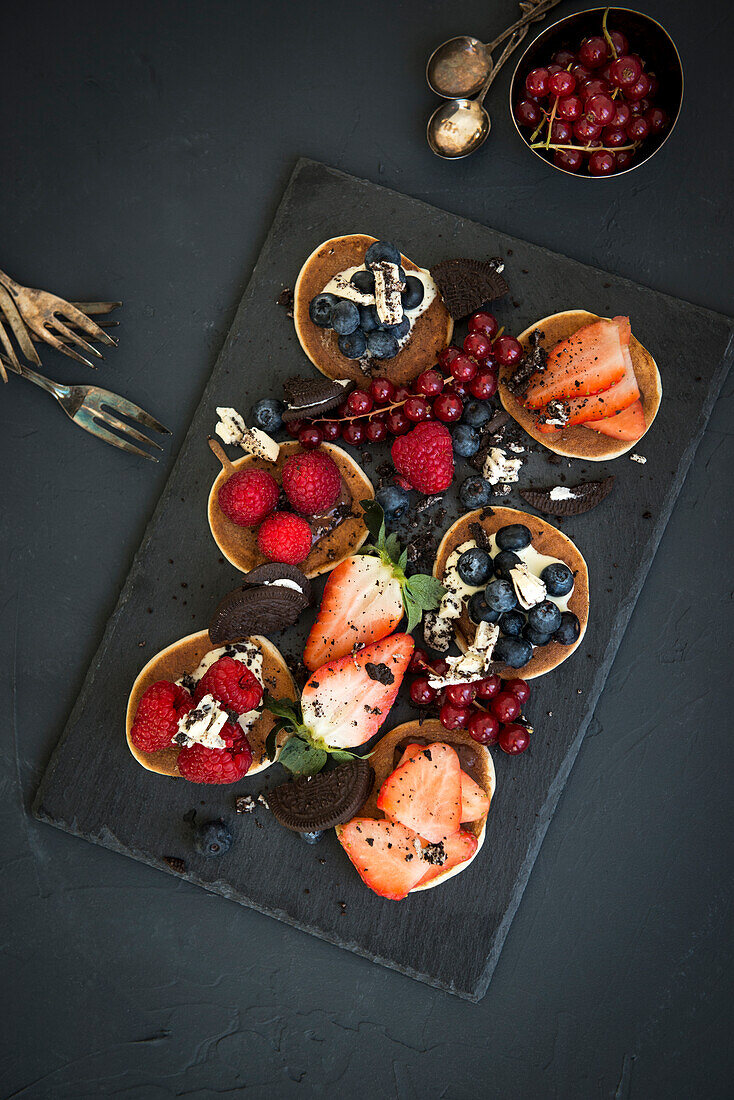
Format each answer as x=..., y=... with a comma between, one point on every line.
x=598, y=93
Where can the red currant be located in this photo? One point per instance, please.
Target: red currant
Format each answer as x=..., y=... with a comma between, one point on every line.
x=488, y=687
x=581, y=73
x=612, y=138
x=332, y=429
x=568, y=159
x=484, y=322
x=507, y=351
x=311, y=437
x=401, y=393
x=397, y=422
x=594, y=52
x=454, y=718
x=463, y=368
x=447, y=356
x=586, y=131
x=483, y=727
x=653, y=84
x=564, y=58
x=418, y=661
x=622, y=115
x=561, y=132
x=570, y=108
x=448, y=407
x=376, y=430
x=600, y=109
x=416, y=409
x=505, y=706
x=440, y=666
x=527, y=113
x=638, y=90
x=458, y=389
x=638, y=129
x=421, y=692
x=477, y=345
x=619, y=42
x=536, y=83
x=293, y=427
x=513, y=739
x=639, y=106
x=601, y=163
x=657, y=119
x=430, y=383
x=382, y=391
x=595, y=86
x=562, y=83
x=461, y=695
x=483, y=385
x=519, y=688
x=354, y=433
x=626, y=71
x=359, y=403
x=623, y=158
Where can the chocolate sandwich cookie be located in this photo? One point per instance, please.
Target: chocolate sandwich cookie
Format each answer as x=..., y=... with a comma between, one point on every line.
x=564, y=500
x=466, y=285
x=311, y=803
x=271, y=599
x=307, y=398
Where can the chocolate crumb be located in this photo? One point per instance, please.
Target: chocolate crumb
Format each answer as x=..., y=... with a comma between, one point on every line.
x=285, y=299
x=176, y=864
x=379, y=672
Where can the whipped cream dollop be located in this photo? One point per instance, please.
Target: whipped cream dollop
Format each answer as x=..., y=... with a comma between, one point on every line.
x=561, y=492
x=340, y=285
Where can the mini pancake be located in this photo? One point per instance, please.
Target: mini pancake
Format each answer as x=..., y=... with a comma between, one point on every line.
x=432, y=330
x=475, y=759
x=547, y=540
x=578, y=441
x=185, y=656
x=239, y=544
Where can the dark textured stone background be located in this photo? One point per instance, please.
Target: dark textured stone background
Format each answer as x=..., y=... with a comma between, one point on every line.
x=134, y=167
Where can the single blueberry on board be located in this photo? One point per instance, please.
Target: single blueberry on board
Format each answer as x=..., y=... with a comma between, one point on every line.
x=465, y=441
x=475, y=492
x=268, y=414
x=476, y=413
x=213, y=838
x=393, y=500
x=312, y=838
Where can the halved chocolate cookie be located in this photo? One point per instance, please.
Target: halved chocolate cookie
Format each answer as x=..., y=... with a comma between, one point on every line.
x=272, y=598
x=311, y=803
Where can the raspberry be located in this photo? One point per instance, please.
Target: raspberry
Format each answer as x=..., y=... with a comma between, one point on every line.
x=201, y=765
x=312, y=482
x=248, y=496
x=232, y=683
x=425, y=457
x=285, y=537
x=156, y=719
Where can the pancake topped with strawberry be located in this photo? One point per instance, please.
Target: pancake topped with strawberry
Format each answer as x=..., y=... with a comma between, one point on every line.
x=585, y=388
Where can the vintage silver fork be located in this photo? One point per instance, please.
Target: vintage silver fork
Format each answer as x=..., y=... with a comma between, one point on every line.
x=45, y=314
x=89, y=407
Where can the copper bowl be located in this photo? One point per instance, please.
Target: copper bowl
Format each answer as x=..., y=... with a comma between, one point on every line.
x=646, y=38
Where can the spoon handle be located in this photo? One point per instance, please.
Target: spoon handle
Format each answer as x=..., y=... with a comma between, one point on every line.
x=513, y=43
x=532, y=15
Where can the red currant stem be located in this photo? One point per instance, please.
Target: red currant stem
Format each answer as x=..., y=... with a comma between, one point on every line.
x=607, y=35
x=381, y=408
x=499, y=332
x=587, y=149
x=550, y=122
x=540, y=125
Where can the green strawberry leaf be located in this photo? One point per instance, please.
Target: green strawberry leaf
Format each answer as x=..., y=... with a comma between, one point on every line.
x=342, y=756
x=271, y=745
x=374, y=519
x=284, y=708
x=403, y=561
x=425, y=590
x=300, y=758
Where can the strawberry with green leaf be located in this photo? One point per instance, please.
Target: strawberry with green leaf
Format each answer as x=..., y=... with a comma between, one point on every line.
x=367, y=595
x=342, y=705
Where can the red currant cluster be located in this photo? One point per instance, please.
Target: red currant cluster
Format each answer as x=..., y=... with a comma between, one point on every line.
x=593, y=106
x=370, y=416
x=487, y=709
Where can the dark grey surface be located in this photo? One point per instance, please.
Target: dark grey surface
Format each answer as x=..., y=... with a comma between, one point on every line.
x=132, y=170
x=97, y=795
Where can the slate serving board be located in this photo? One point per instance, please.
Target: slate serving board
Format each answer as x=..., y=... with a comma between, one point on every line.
x=449, y=937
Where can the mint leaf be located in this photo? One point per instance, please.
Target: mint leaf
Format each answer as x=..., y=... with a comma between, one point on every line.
x=403, y=560
x=284, y=708
x=413, y=611
x=300, y=758
x=426, y=591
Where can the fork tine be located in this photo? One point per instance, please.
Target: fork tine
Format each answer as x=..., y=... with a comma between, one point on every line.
x=87, y=421
x=126, y=429
x=71, y=336
x=134, y=412
x=54, y=342
x=95, y=308
x=17, y=324
x=86, y=324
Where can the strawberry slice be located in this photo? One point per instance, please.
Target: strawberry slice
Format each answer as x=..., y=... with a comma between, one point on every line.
x=459, y=848
x=628, y=425
x=424, y=793
x=588, y=362
x=385, y=854
x=609, y=402
x=362, y=602
x=346, y=701
x=474, y=801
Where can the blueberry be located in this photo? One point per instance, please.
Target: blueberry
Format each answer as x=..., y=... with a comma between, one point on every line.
x=363, y=281
x=312, y=838
x=545, y=617
x=474, y=566
x=514, y=652
x=321, y=308
x=515, y=536
x=344, y=317
x=354, y=345
x=368, y=319
x=476, y=413
x=511, y=623
x=382, y=345
x=558, y=579
x=401, y=329
x=267, y=414
x=381, y=251
x=480, y=611
x=569, y=629
x=393, y=500
x=213, y=838
x=475, y=492
x=412, y=296
x=504, y=562
x=500, y=595
x=465, y=440
x=535, y=637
